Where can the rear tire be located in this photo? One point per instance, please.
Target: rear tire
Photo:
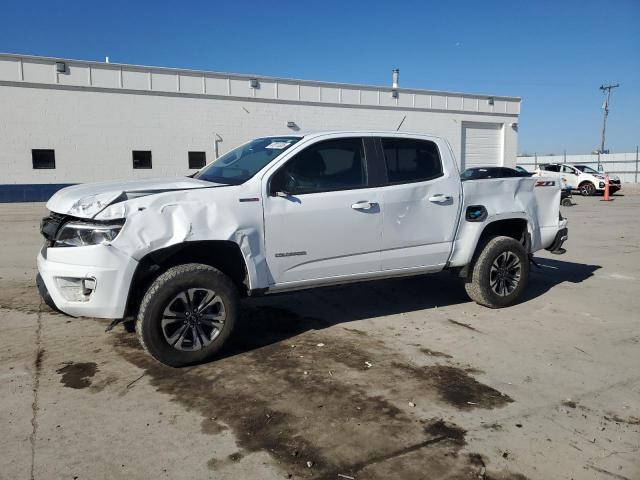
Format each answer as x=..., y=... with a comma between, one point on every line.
x=499, y=274
x=187, y=315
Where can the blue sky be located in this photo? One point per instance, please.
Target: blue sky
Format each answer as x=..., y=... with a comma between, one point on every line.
x=553, y=54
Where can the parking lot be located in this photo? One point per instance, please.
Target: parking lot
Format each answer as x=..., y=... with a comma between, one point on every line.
x=402, y=378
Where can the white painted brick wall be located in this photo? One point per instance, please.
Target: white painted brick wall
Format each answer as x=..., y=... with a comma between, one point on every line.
x=93, y=132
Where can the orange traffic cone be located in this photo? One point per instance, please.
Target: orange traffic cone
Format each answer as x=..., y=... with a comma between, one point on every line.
x=606, y=188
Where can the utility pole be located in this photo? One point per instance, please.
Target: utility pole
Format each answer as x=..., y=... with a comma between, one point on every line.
x=606, y=89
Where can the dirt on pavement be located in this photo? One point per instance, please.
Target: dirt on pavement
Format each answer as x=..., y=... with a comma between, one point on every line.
x=398, y=379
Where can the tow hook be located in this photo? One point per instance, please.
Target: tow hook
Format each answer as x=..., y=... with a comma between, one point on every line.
x=113, y=324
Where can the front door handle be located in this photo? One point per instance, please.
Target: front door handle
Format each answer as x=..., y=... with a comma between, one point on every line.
x=440, y=198
x=364, y=205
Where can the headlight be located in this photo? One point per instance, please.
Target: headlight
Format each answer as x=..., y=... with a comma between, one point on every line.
x=84, y=234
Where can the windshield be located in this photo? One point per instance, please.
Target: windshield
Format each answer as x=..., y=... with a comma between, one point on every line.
x=585, y=169
x=242, y=163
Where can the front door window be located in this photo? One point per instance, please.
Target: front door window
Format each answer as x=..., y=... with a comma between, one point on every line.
x=324, y=167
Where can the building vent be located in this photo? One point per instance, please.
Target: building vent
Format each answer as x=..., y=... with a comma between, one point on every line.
x=394, y=82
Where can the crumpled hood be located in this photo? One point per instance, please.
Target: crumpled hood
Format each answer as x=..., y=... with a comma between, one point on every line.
x=69, y=200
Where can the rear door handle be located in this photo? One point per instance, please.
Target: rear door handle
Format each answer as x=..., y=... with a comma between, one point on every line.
x=440, y=198
x=364, y=205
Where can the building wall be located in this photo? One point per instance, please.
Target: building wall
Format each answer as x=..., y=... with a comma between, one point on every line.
x=95, y=114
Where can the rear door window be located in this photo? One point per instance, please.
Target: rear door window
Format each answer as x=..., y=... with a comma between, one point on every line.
x=410, y=160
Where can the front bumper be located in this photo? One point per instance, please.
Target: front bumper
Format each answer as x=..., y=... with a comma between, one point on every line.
x=613, y=185
x=111, y=270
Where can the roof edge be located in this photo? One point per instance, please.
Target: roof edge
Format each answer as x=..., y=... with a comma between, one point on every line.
x=259, y=77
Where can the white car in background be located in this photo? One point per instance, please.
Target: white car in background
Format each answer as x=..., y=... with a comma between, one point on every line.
x=580, y=177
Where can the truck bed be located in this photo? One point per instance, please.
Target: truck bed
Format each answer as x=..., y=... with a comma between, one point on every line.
x=534, y=199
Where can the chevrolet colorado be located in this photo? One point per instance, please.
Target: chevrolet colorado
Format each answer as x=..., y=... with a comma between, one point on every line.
x=284, y=213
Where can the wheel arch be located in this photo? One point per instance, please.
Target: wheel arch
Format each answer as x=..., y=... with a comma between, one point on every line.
x=225, y=255
x=517, y=228
x=585, y=181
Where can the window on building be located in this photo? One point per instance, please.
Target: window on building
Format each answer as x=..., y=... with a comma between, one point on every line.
x=325, y=166
x=43, y=158
x=197, y=159
x=141, y=159
x=410, y=160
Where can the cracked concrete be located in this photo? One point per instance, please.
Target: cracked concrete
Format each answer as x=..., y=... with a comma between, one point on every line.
x=546, y=389
x=36, y=386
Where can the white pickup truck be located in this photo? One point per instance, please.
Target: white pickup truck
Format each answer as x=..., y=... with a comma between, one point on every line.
x=285, y=213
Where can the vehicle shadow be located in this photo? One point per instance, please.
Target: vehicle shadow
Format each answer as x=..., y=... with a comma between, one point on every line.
x=551, y=272
x=271, y=319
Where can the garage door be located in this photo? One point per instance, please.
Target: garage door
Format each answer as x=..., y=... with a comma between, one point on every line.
x=481, y=144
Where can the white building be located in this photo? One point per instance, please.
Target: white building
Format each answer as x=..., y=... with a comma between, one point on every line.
x=70, y=121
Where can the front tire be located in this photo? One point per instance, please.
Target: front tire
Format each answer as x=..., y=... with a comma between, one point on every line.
x=587, y=189
x=499, y=274
x=187, y=315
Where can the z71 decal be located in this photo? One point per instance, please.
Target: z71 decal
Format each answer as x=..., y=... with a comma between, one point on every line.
x=545, y=183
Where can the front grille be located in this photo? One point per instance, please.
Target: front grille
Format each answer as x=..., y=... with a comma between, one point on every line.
x=50, y=225
x=615, y=182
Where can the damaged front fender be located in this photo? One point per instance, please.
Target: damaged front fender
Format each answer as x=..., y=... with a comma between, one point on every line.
x=161, y=221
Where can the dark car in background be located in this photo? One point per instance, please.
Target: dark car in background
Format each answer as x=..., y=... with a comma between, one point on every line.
x=480, y=173
x=526, y=173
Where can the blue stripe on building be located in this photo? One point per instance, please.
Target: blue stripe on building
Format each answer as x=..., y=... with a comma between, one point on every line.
x=31, y=192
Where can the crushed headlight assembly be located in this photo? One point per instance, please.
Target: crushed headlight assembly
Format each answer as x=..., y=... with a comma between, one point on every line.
x=84, y=234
